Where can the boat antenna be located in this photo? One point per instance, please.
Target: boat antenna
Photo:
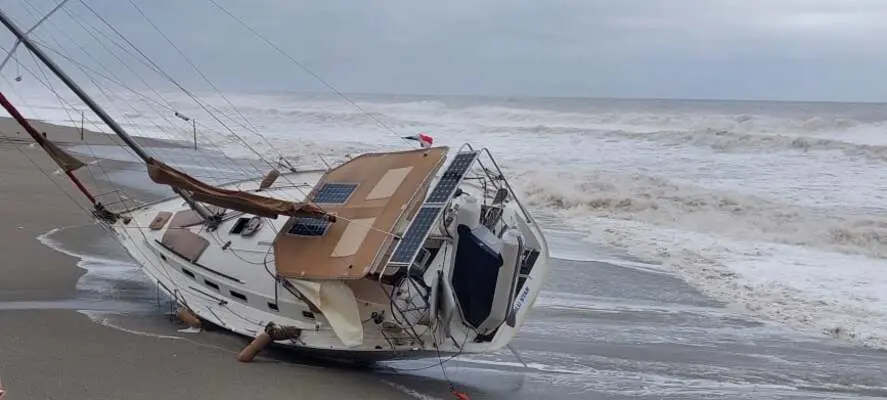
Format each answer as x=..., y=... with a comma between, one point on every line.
x=23, y=38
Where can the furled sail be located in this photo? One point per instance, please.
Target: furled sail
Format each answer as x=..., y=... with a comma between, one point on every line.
x=231, y=199
x=64, y=160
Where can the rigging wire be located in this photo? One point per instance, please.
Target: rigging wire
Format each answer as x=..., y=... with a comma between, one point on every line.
x=62, y=103
x=21, y=149
x=125, y=230
x=135, y=92
x=117, y=82
x=201, y=73
x=153, y=68
x=57, y=185
x=307, y=70
x=185, y=90
x=191, y=63
x=159, y=70
x=83, y=25
x=101, y=65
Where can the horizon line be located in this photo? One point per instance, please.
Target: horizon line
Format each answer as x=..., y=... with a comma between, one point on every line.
x=565, y=97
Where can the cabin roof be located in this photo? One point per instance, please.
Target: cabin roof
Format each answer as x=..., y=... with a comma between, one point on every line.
x=371, y=196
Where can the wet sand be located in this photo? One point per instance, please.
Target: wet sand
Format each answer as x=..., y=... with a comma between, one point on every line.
x=56, y=353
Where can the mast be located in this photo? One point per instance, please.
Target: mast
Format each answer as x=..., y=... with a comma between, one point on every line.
x=23, y=38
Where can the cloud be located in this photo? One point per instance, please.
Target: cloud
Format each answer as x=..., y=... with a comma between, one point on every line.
x=807, y=49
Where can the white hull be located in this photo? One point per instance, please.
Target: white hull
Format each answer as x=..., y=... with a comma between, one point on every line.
x=233, y=284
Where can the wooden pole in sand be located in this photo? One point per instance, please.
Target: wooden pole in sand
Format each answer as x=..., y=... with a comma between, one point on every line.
x=251, y=350
x=271, y=333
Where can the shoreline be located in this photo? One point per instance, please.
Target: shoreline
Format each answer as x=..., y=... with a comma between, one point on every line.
x=70, y=135
x=90, y=359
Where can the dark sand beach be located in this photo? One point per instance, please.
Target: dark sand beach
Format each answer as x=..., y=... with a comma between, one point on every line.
x=49, y=350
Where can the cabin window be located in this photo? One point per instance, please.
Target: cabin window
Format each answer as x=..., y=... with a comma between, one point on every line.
x=238, y=295
x=238, y=226
x=211, y=284
x=189, y=273
x=309, y=226
x=334, y=193
x=308, y=314
x=273, y=306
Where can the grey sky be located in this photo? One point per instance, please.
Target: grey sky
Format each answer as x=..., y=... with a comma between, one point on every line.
x=775, y=49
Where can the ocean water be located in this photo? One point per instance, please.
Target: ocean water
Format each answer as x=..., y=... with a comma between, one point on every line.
x=702, y=248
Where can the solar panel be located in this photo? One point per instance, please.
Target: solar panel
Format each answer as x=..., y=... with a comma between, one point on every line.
x=451, y=177
x=309, y=226
x=415, y=236
x=334, y=193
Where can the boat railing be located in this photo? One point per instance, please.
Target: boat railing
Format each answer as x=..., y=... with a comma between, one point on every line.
x=121, y=199
x=501, y=176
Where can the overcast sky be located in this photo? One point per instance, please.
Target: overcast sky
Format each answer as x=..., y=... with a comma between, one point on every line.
x=763, y=49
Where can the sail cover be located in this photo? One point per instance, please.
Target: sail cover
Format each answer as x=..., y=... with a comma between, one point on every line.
x=231, y=199
x=64, y=160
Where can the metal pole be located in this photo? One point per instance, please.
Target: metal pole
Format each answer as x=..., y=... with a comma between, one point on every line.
x=93, y=106
x=194, y=125
x=82, y=119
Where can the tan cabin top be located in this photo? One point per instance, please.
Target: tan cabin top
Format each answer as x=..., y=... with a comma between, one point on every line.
x=387, y=189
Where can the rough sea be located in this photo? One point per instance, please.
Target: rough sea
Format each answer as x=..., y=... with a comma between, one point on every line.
x=701, y=249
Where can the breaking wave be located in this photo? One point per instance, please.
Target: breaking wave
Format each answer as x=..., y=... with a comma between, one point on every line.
x=657, y=201
x=728, y=141
x=828, y=293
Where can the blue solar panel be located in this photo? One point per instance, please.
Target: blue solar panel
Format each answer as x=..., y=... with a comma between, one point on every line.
x=334, y=193
x=415, y=236
x=451, y=177
x=309, y=226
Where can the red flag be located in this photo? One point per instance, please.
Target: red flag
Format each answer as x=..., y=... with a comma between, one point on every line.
x=423, y=139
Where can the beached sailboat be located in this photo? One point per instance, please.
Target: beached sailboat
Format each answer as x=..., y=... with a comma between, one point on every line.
x=398, y=254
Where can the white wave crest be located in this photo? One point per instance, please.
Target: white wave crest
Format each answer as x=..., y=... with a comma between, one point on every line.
x=828, y=293
x=656, y=201
x=728, y=141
